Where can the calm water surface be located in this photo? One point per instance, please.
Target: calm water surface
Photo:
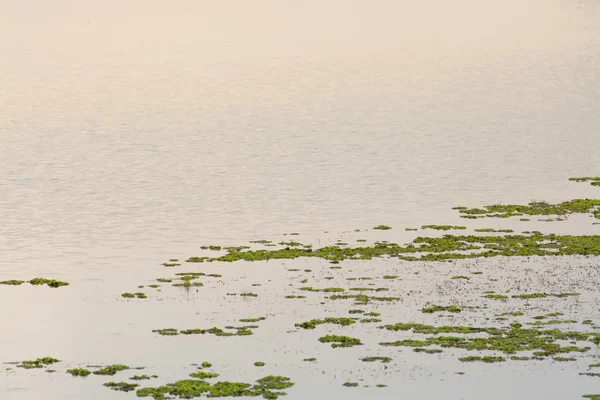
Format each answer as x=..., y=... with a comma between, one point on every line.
x=132, y=131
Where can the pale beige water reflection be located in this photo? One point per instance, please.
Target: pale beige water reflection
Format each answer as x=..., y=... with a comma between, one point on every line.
x=132, y=131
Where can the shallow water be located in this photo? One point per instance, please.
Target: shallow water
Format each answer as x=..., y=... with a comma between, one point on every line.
x=135, y=131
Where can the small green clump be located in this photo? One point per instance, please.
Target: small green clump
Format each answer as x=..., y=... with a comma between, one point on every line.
x=311, y=359
x=355, y=311
x=563, y=359
x=121, y=386
x=12, y=282
x=390, y=276
x=437, y=308
x=128, y=295
x=340, y=341
x=373, y=359
x=204, y=375
x=495, y=296
x=79, y=372
x=443, y=227
x=369, y=320
x=252, y=319
x=248, y=294
x=111, y=369
x=259, y=364
x=49, y=282
x=350, y=384
x=382, y=227
x=166, y=332
x=485, y=359
x=142, y=377
x=543, y=295
x=37, y=363
x=312, y=324
x=206, y=364
x=294, y=297
x=460, y=277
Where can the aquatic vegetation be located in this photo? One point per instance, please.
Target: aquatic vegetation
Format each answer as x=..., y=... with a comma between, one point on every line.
x=380, y=385
x=355, y=311
x=111, y=369
x=362, y=299
x=49, y=282
x=382, y=227
x=350, y=384
x=248, y=294
x=427, y=351
x=211, y=247
x=12, y=282
x=204, y=375
x=543, y=295
x=509, y=340
x=340, y=341
x=294, y=297
x=390, y=276
x=410, y=229
x=170, y=265
x=167, y=332
x=312, y=324
x=139, y=295
x=460, y=277
x=495, y=296
x=79, y=372
x=594, y=181
x=312, y=359
x=443, y=227
x=326, y=290
x=259, y=364
x=494, y=230
x=268, y=387
x=121, y=386
x=37, y=363
x=164, y=280
x=378, y=358
x=485, y=359
x=372, y=314
x=592, y=396
x=580, y=206
x=142, y=377
x=437, y=308
x=252, y=319
x=563, y=359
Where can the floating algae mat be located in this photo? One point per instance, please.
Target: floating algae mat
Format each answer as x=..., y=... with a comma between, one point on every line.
x=455, y=307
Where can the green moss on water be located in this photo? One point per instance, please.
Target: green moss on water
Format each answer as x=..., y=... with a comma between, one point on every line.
x=204, y=375
x=496, y=296
x=37, y=363
x=252, y=319
x=355, y=311
x=259, y=364
x=164, y=280
x=592, y=396
x=382, y=227
x=427, y=351
x=350, y=384
x=460, y=277
x=593, y=180
x=269, y=387
x=563, y=359
x=369, y=320
x=12, y=282
x=142, y=377
x=121, y=386
x=543, y=295
x=206, y=364
x=577, y=206
x=171, y=265
x=340, y=341
x=312, y=324
x=311, y=359
x=437, y=308
x=444, y=227
x=111, y=369
x=79, y=372
x=167, y=332
x=485, y=359
x=248, y=294
x=377, y=358
x=53, y=283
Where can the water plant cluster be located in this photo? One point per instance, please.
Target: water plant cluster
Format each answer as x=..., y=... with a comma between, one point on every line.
x=53, y=283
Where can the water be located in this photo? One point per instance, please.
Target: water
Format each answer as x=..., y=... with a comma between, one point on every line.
x=135, y=131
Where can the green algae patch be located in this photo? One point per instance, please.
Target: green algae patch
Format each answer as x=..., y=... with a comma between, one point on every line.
x=259, y=364
x=490, y=230
x=269, y=387
x=312, y=324
x=12, y=282
x=377, y=358
x=485, y=359
x=543, y=295
x=340, y=341
x=248, y=294
x=37, y=363
x=138, y=295
x=509, y=339
x=594, y=180
x=576, y=206
x=121, y=386
x=461, y=277
x=350, y=384
x=437, y=308
x=53, y=283
x=369, y=320
x=591, y=396
x=79, y=372
x=311, y=359
x=111, y=369
x=382, y=227
x=166, y=332
x=294, y=297
x=142, y=377
x=564, y=359
x=427, y=351
x=444, y=227
x=204, y=375
x=206, y=364
x=252, y=319
x=496, y=296
x=390, y=276
x=355, y=312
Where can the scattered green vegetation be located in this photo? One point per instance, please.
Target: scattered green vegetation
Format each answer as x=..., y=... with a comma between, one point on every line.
x=312, y=324
x=312, y=359
x=12, y=282
x=294, y=297
x=485, y=359
x=581, y=206
x=37, y=363
x=594, y=181
x=496, y=296
x=543, y=295
x=443, y=227
x=437, y=308
x=382, y=227
x=461, y=277
x=494, y=230
x=111, y=369
x=204, y=375
x=121, y=386
x=340, y=341
x=378, y=358
x=79, y=372
x=350, y=384
x=356, y=312
x=49, y=282
x=142, y=377
x=139, y=295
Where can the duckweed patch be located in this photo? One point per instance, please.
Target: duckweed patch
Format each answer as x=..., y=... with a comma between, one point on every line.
x=79, y=372
x=37, y=363
x=111, y=369
x=340, y=341
x=437, y=308
x=577, y=206
x=382, y=227
x=485, y=359
x=259, y=364
x=377, y=358
x=53, y=283
x=12, y=282
x=444, y=227
x=312, y=324
x=204, y=375
x=121, y=386
x=350, y=384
